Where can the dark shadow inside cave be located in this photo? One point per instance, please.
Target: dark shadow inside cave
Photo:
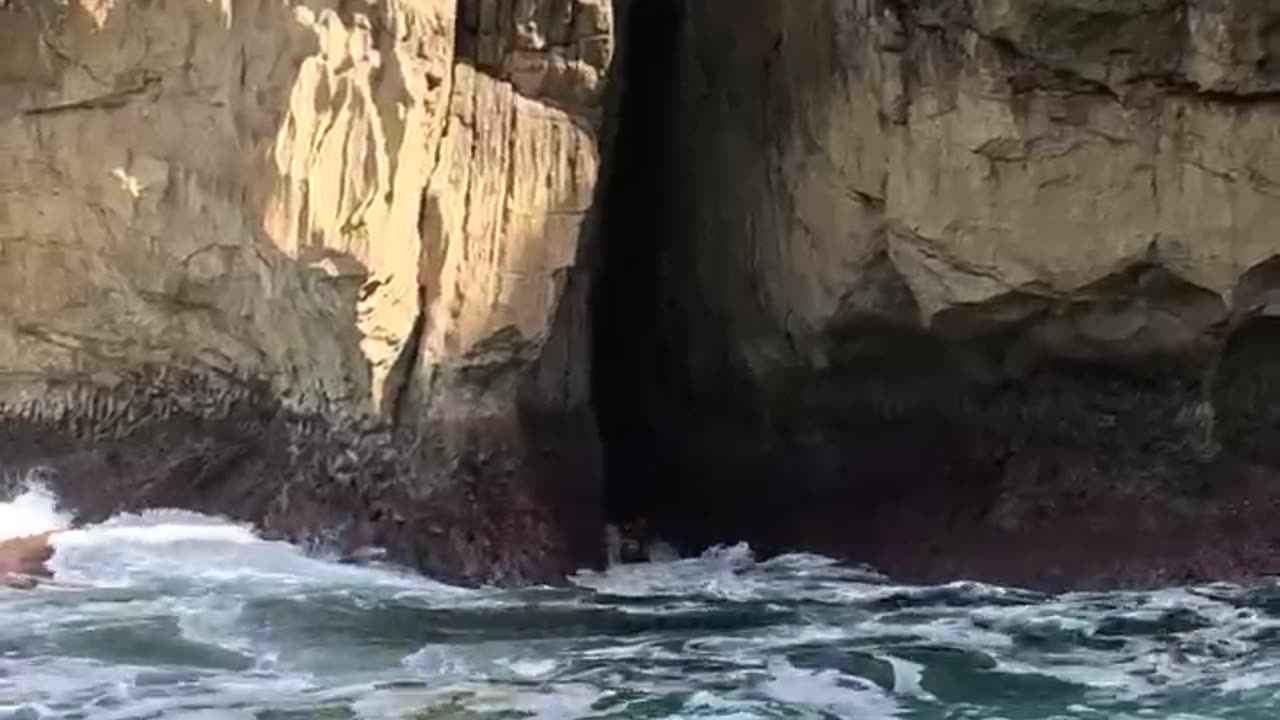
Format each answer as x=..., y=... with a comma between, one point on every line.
x=1246, y=391
x=632, y=354
x=1246, y=379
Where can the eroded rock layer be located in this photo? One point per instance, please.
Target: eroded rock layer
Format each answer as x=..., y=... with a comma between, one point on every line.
x=303, y=262
x=961, y=289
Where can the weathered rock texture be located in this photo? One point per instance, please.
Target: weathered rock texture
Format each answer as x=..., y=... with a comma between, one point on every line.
x=260, y=252
x=959, y=288
x=979, y=289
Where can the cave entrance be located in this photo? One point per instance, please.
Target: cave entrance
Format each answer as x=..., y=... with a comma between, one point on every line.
x=636, y=355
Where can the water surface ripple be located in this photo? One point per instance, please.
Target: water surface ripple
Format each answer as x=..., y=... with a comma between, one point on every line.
x=180, y=616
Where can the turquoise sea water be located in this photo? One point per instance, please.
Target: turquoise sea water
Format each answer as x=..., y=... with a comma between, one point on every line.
x=173, y=615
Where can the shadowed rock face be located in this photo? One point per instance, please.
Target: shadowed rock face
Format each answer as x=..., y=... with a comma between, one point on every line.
x=959, y=289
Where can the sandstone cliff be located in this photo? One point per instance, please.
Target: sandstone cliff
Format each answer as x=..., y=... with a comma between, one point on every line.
x=255, y=251
x=952, y=283
x=973, y=289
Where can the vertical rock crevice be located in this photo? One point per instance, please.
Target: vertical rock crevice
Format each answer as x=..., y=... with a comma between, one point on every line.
x=637, y=197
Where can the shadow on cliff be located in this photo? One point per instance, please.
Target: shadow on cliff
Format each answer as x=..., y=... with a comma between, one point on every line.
x=670, y=388
x=1033, y=439
x=633, y=346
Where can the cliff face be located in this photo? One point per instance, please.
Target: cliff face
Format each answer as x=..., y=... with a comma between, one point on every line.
x=939, y=285
x=310, y=263
x=929, y=284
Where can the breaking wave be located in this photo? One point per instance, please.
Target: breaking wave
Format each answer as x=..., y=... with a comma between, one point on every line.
x=169, y=614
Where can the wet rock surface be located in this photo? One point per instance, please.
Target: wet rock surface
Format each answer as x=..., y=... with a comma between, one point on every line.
x=228, y=449
x=22, y=560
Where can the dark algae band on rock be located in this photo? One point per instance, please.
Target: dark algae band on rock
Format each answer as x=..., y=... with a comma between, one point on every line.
x=974, y=290
x=223, y=447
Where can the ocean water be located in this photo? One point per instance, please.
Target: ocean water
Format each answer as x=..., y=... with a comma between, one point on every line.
x=176, y=615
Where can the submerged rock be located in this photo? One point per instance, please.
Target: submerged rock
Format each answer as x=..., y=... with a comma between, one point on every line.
x=634, y=543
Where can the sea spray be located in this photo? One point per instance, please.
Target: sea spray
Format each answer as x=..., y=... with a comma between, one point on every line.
x=33, y=511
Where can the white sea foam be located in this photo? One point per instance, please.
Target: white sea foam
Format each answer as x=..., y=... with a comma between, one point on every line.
x=715, y=574
x=829, y=690
x=172, y=545
x=188, y=616
x=32, y=512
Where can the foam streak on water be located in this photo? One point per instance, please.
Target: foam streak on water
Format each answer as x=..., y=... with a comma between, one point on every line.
x=171, y=614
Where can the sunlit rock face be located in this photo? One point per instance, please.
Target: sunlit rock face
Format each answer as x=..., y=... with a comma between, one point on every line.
x=244, y=228
x=961, y=288
x=23, y=559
